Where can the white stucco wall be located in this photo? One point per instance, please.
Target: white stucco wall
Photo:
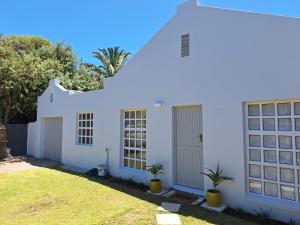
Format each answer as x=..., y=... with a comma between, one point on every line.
x=235, y=57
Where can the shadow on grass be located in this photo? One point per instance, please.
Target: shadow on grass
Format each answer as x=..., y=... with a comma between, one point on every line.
x=187, y=210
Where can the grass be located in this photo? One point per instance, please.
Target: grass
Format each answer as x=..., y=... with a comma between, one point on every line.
x=48, y=196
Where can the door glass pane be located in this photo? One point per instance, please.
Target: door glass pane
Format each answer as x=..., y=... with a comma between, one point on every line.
x=297, y=108
x=287, y=192
x=284, y=109
x=254, y=140
x=254, y=171
x=270, y=156
x=268, y=109
x=269, y=124
x=254, y=155
x=284, y=124
x=287, y=175
x=297, y=124
x=253, y=124
x=285, y=142
x=271, y=189
x=286, y=157
x=270, y=173
x=299, y=178
x=255, y=186
x=253, y=110
x=269, y=141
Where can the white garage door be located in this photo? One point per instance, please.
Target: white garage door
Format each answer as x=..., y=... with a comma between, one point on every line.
x=53, y=138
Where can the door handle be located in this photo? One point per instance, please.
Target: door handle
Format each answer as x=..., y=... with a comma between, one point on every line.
x=200, y=138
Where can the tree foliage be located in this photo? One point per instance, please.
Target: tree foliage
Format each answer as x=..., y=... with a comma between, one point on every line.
x=111, y=59
x=26, y=66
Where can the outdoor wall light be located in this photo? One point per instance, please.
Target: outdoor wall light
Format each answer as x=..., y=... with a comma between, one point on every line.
x=158, y=104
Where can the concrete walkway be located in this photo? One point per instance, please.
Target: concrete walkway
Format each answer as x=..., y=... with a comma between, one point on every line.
x=24, y=163
x=167, y=214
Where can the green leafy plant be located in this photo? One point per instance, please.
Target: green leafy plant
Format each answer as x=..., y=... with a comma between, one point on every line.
x=216, y=177
x=292, y=222
x=263, y=214
x=155, y=170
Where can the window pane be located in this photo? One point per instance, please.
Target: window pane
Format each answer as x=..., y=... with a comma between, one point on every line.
x=286, y=157
x=297, y=108
x=268, y=109
x=83, y=116
x=132, y=115
x=254, y=155
x=131, y=163
x=138, y=124
x=285, y=142
x=255, y=186
x=88, y=116
x=138, y=155
x=132, y=143
x=80, y=116
x=138, y=114
x=144, y=135
x=127, y=123
x=143, y=144
x=287, y=192
x=143, y=155
x=284, y=124
x=299, y=179
x=126, y=115
x=270, y=156
x=132, y=123
x=126, y=162
x=271, y=189
x=297, y=124
x=253, y=124
x=126, y=133
x=297, y=141
x=269, y=124
x=138, y=165
x=143, y=165
x=79, y=140
x=269, y=141
x=284, y=109
x=287, y=175
x=132, y=154
x=270, y=173
x=298, y=158
x=138, y=134
x=132, y=134
x=143, y=123
x=138, y=143
x=126, y=143
x=253, y=110
x=144, y=114
x=254, y=171
x=126, y=153
x=254, y=140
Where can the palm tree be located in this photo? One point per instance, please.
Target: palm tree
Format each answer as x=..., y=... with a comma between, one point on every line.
x=112, y=60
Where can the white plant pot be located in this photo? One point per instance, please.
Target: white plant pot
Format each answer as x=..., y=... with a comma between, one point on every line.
x=102, y=170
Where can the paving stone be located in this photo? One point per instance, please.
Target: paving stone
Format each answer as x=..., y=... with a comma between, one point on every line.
x=169, y=207
x=168, y=219
x=160, y=193
x=169, y=193
x=198, y=201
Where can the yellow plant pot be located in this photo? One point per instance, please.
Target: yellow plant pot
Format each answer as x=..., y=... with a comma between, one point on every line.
x=155, y=186
x=214, y=198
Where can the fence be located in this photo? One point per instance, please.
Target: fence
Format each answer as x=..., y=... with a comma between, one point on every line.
x=16, y=135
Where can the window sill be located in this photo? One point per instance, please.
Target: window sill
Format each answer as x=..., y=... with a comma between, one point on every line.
x=273, y=202
x=84, y=145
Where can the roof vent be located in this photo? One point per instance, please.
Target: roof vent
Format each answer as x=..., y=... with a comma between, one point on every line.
x=185, y=45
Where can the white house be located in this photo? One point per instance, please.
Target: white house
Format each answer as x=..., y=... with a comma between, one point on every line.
x=212, y=86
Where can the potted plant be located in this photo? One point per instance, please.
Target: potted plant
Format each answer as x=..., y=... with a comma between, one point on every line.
x=155, y=184
x=214, y=196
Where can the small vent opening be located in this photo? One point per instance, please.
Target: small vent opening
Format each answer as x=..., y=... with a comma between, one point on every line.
x=185, y=45
x=51, y=97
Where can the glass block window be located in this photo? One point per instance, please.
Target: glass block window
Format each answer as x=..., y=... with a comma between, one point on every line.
x=273, y=149
x=134, y=139
x=85, y=128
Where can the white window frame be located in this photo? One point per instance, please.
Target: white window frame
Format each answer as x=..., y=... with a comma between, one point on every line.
x=85, y=128
x=134, y=140
x=293, y=133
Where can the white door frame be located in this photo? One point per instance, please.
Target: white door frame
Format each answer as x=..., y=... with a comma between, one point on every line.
x=174, y=143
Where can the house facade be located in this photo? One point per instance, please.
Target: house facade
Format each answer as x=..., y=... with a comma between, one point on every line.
x=213, y=86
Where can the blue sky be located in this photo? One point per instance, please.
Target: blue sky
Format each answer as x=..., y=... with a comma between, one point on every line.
x=91, y=24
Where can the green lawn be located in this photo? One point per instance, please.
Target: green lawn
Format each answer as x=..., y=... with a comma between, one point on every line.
x=49, y=196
